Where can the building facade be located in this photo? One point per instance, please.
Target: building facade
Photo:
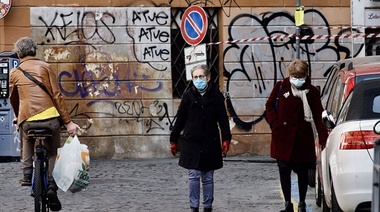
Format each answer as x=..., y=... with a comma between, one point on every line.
x=121, y=65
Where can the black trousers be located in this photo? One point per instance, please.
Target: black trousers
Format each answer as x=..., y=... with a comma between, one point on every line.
x=285, y=169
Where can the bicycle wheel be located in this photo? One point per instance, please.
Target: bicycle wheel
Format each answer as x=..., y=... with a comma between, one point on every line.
x=37, y=188
x=44, y=201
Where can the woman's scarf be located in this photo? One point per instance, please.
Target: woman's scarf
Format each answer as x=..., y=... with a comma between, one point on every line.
x=306, y=108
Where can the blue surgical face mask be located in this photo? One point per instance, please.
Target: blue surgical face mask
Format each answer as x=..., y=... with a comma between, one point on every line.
x=199, y=83
x=298, y=82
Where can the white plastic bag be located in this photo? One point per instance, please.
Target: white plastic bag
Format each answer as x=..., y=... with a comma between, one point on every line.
x=72, y=166
x=82, y=177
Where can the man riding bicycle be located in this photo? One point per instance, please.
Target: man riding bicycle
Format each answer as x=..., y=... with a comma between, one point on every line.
x=35, y=108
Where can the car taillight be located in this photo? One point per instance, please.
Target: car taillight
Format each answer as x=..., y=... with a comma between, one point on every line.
x=349, y=85
x=358, y=140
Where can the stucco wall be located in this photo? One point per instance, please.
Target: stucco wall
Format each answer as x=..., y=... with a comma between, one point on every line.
x=113, y=59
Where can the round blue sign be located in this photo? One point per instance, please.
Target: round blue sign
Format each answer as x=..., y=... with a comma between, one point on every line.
x=194, y=25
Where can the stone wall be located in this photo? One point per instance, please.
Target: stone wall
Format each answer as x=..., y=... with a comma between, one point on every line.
x=113, y=63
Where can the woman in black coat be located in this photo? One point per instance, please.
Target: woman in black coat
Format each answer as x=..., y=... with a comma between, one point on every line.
x=200, y=115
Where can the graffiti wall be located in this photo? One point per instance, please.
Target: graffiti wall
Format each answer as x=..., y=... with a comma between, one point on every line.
x=113, y=67
x=260, y=45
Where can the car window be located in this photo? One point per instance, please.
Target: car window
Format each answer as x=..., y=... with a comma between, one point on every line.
x=335, y=97
x=337, y=102
x=376, y=104
x=343, y=112
x=346, y=105
x=367, y=77
x=330, y=95
x=365, y=102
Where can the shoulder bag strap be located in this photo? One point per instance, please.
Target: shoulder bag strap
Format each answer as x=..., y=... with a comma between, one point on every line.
x=34, y=80
x=278, y=96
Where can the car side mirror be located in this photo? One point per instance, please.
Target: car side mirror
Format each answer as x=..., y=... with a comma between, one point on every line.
x=376, y=128
x=328, y=120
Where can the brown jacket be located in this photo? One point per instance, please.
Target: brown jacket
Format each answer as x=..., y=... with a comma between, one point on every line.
x=27, y=98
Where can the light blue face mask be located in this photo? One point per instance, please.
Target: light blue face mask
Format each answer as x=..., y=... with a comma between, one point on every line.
x=199, y=83
x=298, y=82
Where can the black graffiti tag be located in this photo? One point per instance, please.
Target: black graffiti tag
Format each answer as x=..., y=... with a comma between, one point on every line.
x=152, y=33
x=276, y=49
x=161, y=18
x=88, y=26
x=152, y=52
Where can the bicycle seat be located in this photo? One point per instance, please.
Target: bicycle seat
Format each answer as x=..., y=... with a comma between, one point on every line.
x=44, y=132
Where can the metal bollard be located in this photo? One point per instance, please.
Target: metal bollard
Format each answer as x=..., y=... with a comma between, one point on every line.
x=376, y=178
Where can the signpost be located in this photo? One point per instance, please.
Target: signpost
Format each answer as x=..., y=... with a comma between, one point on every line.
x=193, y=29
x=194, y=25
x=194, y=56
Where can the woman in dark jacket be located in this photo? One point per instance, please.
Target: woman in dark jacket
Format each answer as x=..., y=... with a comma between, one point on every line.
x=200, y=115
x=291, y=108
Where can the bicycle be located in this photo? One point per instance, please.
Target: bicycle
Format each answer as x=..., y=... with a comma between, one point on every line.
x=41, y=165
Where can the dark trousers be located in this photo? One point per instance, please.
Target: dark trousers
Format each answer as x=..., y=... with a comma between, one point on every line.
x=285, y=169
x=51, y=144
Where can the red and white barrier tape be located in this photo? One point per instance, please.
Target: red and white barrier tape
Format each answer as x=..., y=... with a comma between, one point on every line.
x=339, y=27
x=306, y=37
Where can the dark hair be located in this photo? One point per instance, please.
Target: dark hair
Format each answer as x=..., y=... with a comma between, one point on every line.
x=25, y=46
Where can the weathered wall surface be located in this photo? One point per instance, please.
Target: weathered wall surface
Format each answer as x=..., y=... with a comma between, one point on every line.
x=252, y=68
x=114, y=70
x=113, y=63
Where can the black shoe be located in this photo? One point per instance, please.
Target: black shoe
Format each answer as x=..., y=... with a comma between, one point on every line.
x=54, y=203
x=194, y=209
x=26, y=180
x=302, y=207
x=207, y=209
x=288, y=207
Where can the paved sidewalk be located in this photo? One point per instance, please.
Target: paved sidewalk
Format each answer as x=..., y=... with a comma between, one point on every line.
x=245, y=184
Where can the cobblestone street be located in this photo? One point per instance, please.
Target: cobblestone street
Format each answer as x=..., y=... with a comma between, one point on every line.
x=245, y=184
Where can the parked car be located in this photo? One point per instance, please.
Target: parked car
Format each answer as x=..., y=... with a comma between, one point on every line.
x=341, y=78
x=376, y=172
x=341, y=68
x=347, y=160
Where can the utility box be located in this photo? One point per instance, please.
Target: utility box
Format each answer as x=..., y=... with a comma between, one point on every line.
x=10, y=149
x=376, y=178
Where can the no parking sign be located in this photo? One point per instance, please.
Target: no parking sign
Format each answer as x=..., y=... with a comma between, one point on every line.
x=194, y=25
x=5, y=6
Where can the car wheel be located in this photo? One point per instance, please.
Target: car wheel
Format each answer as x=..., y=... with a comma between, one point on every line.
x=325, y=207
x=334, y=202
x=318, y=190
x=311, y=180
